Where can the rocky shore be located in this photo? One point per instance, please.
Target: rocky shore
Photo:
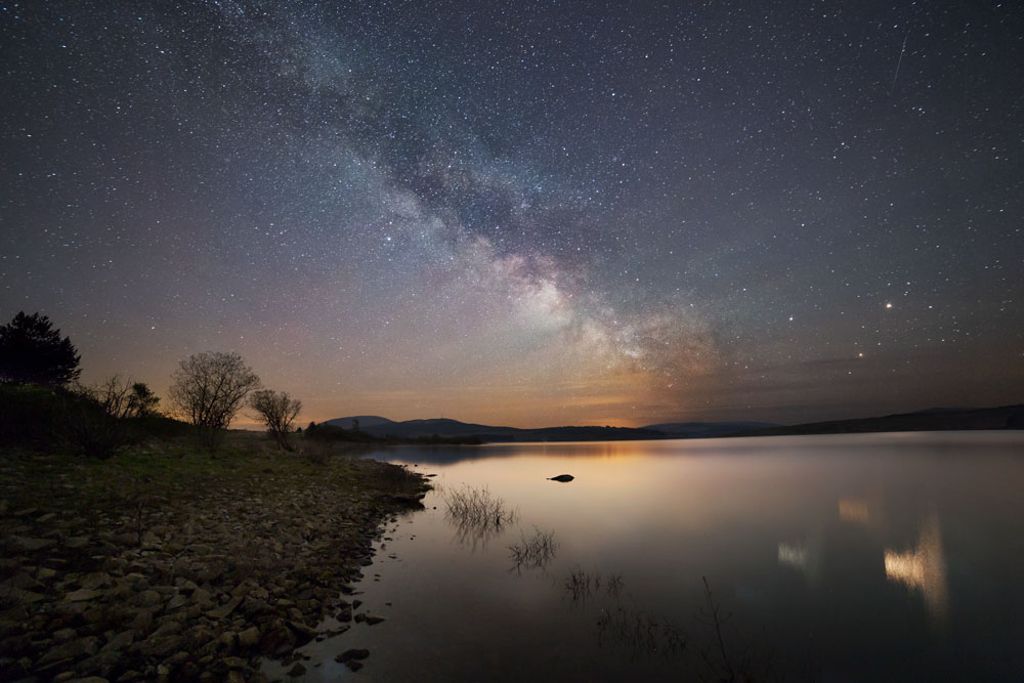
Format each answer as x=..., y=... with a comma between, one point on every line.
x=166, y=564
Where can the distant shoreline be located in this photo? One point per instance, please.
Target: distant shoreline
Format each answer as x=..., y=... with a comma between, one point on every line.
x=446, y=432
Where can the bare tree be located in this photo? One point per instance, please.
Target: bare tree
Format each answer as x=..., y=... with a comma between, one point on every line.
x=208, y=389
x=113, y=395
x=277, y=410
x=122, y=398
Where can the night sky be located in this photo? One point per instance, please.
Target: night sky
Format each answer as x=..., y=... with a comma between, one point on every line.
x=528, y=213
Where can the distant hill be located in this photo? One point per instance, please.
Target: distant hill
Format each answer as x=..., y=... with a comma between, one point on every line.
x=365, y=421
x=704, y=430
x=933, y=419
x=1007, y=417
x=447, y=428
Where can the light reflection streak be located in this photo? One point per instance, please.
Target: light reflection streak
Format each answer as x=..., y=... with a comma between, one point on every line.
x=793, y=555
x=854, y=510
x=923, y=568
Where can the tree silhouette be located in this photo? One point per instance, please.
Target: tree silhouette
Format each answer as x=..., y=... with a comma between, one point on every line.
x=209, y=388
x=123, y=398
x=142, y=400
x=33, y=352
x=277, y=410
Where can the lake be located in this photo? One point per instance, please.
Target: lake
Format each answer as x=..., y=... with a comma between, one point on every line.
x=835, y=558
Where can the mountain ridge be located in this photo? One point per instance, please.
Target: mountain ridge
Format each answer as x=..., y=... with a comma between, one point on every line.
x=383, y=427
x=931, y=419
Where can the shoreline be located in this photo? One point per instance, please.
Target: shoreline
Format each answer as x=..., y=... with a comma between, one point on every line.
x=165, y=563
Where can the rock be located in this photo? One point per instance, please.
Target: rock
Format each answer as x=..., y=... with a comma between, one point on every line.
x=352, y=654
x=18, y=596
x=71, y=651
x=372, y=620
x=199, y=635
x=120, y=642
x=102, y=664
x=177, y=602
x=22, y=580
x=149, y=598
x=202, y=597
x=161, y=646
x=255, y=607
x=277, y=640
x=227, y=640
x=138, y=582
x=29, y=545
x=64, y=635
x=143, y=620
x=234, y=663
x=96, y=614
x=353, y=658
x=96, y=580
x=225, y=609
x=562, y=478
x=166, y=628
x=81, y=595
x=303, y=633
x=249, y=638
x=297, y=670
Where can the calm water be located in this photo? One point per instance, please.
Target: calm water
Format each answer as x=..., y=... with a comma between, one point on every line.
x=834, y=558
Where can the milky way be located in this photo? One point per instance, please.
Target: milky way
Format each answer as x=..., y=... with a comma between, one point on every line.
x=531, y=212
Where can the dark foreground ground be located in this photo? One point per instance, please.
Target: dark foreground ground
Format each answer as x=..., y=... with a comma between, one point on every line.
x=168, y=563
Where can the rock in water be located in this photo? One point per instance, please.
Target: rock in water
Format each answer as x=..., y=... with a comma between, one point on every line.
x=562, y=478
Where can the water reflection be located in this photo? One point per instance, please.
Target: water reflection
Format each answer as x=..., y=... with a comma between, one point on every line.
x=793, y=555
x=582, y=585
x=533, y=552
x=923, y=568
x=821, y=548
x=854, y=510
x=639, y=633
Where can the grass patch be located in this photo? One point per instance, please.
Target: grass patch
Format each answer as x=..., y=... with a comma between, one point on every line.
x=476, y=507
x=177, y=469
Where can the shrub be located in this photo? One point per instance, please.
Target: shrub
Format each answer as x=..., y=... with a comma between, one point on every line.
x=46, y=419
x=30, y=416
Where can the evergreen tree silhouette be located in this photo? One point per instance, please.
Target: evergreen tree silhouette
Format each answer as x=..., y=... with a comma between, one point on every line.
x=33, y=352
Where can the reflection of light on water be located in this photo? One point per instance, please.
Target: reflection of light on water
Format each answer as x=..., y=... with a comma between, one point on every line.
x=853, y=510
x=793, y=555
x=906, y=568
x=922, y=568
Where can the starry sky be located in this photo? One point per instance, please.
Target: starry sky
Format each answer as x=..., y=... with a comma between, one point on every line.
x=527, y=213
